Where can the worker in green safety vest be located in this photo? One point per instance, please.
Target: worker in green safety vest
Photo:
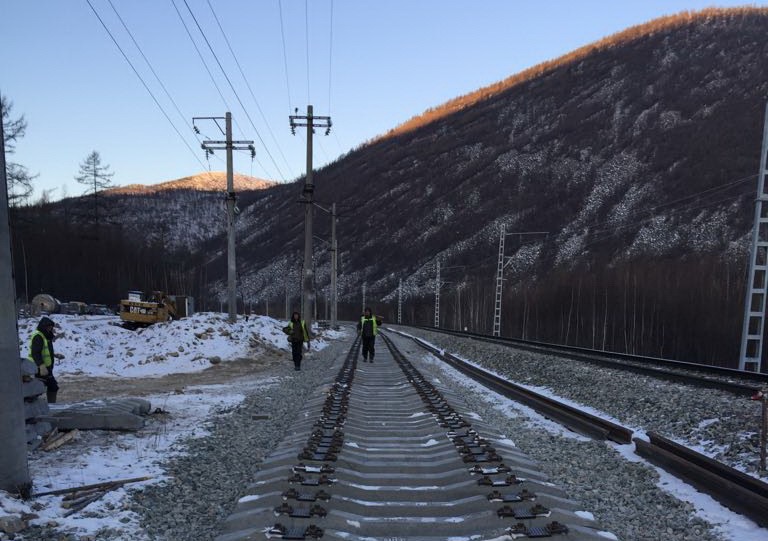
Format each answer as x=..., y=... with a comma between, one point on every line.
x=41, y=353
x=368, y=328
x=297, y=335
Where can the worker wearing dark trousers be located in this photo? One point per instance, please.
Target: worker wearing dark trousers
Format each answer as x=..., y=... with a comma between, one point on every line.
x=368, y=328
x=297, y=335
x=41, y=353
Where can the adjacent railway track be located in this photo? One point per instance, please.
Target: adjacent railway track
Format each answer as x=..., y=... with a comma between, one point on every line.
x=705, y=376
x=740, y=492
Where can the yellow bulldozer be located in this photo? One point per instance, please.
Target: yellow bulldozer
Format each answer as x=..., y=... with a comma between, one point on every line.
x=137, y=312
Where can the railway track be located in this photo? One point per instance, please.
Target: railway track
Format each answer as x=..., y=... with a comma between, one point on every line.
x=705, y=376
x=740, y=492
x=383, y=454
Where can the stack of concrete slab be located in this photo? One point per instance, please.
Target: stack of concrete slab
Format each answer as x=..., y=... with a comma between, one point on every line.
x=102, y=414
x=35, y=406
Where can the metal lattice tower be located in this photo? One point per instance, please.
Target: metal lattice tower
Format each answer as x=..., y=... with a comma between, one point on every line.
x=499, y=281
x=437, y=296
x=400, y=301
x=751, y=355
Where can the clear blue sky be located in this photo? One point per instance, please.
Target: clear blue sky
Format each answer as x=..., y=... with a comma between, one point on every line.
x=378, y=64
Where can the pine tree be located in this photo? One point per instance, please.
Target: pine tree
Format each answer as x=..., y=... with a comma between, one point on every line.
x=19, y=178
x=97, y=177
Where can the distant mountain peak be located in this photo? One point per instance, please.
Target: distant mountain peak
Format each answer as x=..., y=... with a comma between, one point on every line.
x=207, y=181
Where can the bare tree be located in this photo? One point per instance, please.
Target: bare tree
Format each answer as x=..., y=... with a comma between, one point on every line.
x=19, y=177
x=97, y=177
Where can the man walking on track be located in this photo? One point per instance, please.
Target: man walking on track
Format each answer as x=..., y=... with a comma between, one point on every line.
x=368, y=328
x=297, y=335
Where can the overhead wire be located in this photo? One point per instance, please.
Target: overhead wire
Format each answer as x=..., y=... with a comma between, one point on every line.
x=157, y=77
x=135, y=71
x=285, y=57
x=330, y=59
x=210, y=75
x=202, y=59
x=306, y=35
x=248, y=85
x=234, y=91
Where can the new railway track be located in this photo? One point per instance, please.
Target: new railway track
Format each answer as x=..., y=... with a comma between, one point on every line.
x=381, y=453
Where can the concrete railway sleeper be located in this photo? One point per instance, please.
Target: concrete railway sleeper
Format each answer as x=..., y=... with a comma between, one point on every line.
x=381, y=453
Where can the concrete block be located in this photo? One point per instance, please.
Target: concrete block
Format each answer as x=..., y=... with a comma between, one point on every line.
x=35, y=408
x=28, y=368
x=43, y=428
x=34, y=444
x=140, y=406
x=32, y=388
x=93, y=420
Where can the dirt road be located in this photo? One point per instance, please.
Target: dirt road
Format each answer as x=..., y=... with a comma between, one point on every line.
x=79, y=388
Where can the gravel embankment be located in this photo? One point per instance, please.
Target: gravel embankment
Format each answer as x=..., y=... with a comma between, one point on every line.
x=623, y=495
x=207, y=481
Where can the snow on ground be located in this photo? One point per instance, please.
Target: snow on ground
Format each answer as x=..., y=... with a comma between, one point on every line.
x=97, y=346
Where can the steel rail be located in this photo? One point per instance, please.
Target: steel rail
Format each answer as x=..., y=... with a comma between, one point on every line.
x=573, y=418
x=614, y=360
x=734, y=489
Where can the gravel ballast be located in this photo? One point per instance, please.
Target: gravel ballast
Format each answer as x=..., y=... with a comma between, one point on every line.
x=212, y=472
x=623, y=495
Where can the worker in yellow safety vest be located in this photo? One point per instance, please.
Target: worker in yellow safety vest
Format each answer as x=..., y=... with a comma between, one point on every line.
x=368, y=328
x=297, y=335
x=41, y=353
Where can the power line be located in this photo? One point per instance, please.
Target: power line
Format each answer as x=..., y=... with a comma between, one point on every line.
x=144, y=83
x=157, y=77
x=285, y=56
x=210, y=75
x=248, y=85
x=152, y=69
x=202, y=59
x=330, y=60
x=306, y=35
x=223, y=71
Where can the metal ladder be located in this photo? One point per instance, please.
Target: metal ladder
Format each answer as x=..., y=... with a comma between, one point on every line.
x=750, y=358
x=499, y=281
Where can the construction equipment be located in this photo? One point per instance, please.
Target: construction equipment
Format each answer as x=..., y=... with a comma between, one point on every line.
x=136, y=312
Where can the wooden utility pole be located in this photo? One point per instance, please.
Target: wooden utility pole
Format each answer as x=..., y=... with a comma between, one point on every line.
x=229, y=145
x=308, y=274
x=14, y=471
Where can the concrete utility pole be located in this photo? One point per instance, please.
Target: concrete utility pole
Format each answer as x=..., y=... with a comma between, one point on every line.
x=229, y=145
x=751, y=355
x=400, y=301
x=334, y=268
x=14, y=471
x=334, y=253
x=364, y=286
x=287, y=314
x=307, y=285
x=437, y=296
